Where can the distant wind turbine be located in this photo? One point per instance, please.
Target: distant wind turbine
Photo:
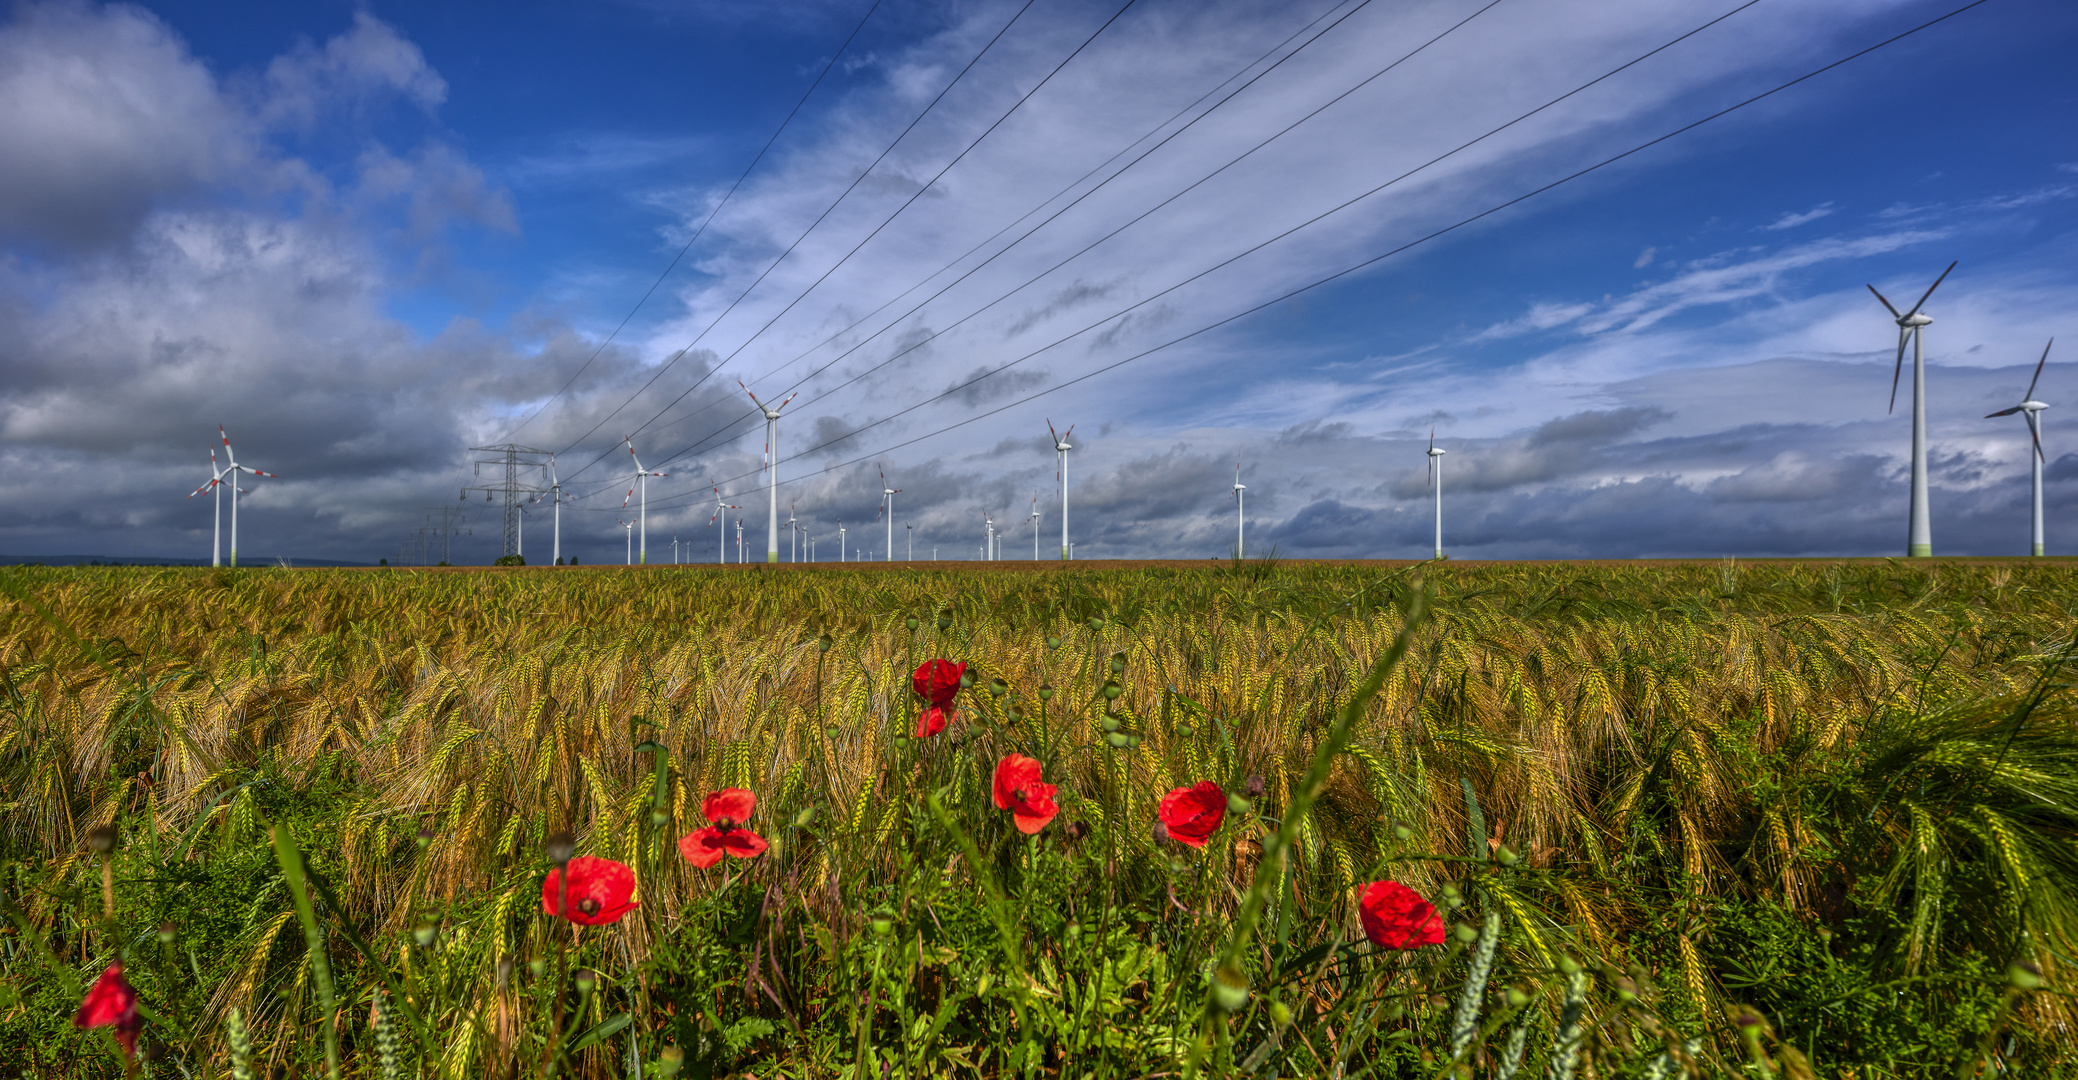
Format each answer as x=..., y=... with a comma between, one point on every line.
x=720, y=504
x=887, y=510
x=793, y=536
x=216, y=528
x=840, y=541
x=2032, y=409
x=629, y=527
x=771, y=471
x=640, y=479
x=234, y=468
x=1436, y=486
x=555, y=489
x=1920, y=541
x=1061, y=446
x=1035, y=526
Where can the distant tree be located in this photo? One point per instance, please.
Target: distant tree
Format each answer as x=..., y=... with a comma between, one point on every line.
x=510, y=560
x=573, y=560
x=382, y=562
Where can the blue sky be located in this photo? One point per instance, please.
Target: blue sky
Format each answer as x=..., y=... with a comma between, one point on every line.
x=365, y=238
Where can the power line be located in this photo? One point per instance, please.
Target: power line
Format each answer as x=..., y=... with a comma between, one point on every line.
x=724, y=428
x=703, y=225
x=1346, y=271
x=827, y=211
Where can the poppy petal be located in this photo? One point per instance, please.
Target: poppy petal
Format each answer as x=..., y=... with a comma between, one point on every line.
x=702, y=847
x=932, y=721
x=744, y=844
x=732, y=804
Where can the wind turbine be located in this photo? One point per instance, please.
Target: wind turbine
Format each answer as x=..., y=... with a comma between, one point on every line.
x=640, y=479
x=739, y=540
x=720, y=504
x=1061, y=446
x=555, y=488
x=1920, y=541
x=988, y=537
x=911, y=529
x=629, y=526
x=793, y=536
x=216, y=528
x=1436, y=485
x=771, y=472
x=2032, y=409
x=1035, y=526
x=840, y=541
x=887, y=509
x=234, y=468
x=1240, y=536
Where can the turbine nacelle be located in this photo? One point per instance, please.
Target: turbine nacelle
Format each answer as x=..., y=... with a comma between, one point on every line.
x=1916, y=320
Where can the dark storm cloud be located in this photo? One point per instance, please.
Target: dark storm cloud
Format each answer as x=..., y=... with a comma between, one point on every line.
x=980, y=387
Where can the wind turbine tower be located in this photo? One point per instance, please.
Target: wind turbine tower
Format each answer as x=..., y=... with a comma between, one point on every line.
x=1061, y=446
x=2032, y=409
x=1035, y=527
x=887, y=510
x=771, y=472
x=234, y=468
x=216, y=524
x=641, y=480
x=1920, y=541
x=1436, y=486
x=720, y=504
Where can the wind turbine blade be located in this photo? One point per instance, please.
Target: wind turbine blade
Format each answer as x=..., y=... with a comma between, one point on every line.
x=1897, y=371
x=202, y=489
x=2036, y=431
x=1432, y=436
x=2030, y=396
x=2003, y=412
x=1050, y=431
x=1930, y=290
x=1879, y=299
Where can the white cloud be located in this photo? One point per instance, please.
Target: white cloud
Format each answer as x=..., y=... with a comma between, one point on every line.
x=1791, y=221
x=1644, y=258
x=369, y=61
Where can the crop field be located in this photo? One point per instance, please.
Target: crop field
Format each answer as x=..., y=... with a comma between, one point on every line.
x=1703, y=819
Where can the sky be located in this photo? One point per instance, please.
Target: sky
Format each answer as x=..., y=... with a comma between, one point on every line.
x=1302, y=238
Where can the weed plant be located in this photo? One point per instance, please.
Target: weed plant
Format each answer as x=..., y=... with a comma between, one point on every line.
x=1701, y=819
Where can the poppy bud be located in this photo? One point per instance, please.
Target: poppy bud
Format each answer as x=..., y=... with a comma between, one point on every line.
x=1118, y=663
x=802, y=819
x=988, y=979
x=883, y=926
x=2024, y=976
x=560, y=847
x=1112, y=689
x=1228, y=996
x=1161, y=834
x=1748, y=1021
x=910, y=622
x=1466, y=934
x=1238, y=805
x=1254, y=787
x=822, y=644
x=1452, y=897
x=658, y=818
x=966, y=679
x=1096, y=624
x=1626, y=989
x=101, y=839
x=1403, y=832
x=1506, y=856
x=944, y=618
x=1569, y=965
x=831, y=731
x=1045, y=693
x=537, y=967
x=1109, y=723
x=671, y=1058
x=1132, y=741
x=1017, y=712
x=504, y=971
x=425, y=934
x=998, y=687
x=1184, y=731
x=1076, y=830
x=1518, y=997
x=1053, y=642
x=1118, y=740
x=1280, y=1013
x=586, y=979
x=424, y=838
x=901, y=739
x=167, y=931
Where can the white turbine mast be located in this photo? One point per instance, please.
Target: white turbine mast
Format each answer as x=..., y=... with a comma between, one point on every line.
x=887, y=510
x=840, y=540
x=1035, y=526
x=1920, y=539
x=771, y=471
x=2032, y=410
x=629, y=527
x=234, y=468
x=216, y=527
x=721, y=547
x=1436, y=485
x=640, y=479
x=555, y=490
x=1240, y=501
x=793, y=536
x=1061, y=446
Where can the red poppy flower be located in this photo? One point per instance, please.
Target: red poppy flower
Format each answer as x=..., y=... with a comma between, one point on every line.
x=112, y=1001
x=1192, y=814
x=601, y=891
x=1396, y=917
x=937, y=682
x=1019, y=790
x=726, y=811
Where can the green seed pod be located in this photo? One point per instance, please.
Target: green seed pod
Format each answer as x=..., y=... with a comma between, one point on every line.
x=1112, y=690
x=966, y=679
x=1518, y=997
x=560, y=846
x=1506, y=856
x=1238, y=805
x=101, y=839
x=1403, y=832
x=1118, y=663
x=1117, y=740
x=537, y=967
x=1045, y=693
x=802, y=819
x=1569, y=965
x=823, y=643
x=425, y=935
x=1096, y=624
x=1073, y=933
x=424, y=838
x=671, y=1058
x=910, y=623
x=658, y=819
x=1280, y=1013
x=587, y=980
x=883, y=926
x=1228, y=996
x=1466, y=934
x=998, y=687
x=167, y=932
x=1185, y=731
x=1132, y=741
x=2024, y=976
x=1053, y=642
x=944, y=618
x=1109, y=723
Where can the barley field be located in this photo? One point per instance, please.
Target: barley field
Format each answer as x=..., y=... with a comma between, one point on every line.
x=1705, y=819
